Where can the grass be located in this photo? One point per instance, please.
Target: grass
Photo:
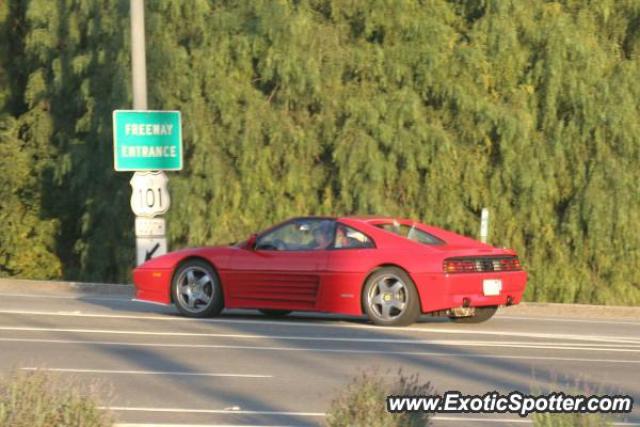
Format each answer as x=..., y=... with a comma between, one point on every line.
x=37, y=399
x=571, y=420
x=574, y=386
x=363, y=402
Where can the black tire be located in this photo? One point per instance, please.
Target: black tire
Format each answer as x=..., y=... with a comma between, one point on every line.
x=274, y=312
x=407, y=293
x=482, y=314
x=211, y=288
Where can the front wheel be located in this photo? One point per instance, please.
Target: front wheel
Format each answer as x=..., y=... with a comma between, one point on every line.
x=196, y=290
x=390, y=298
x=482, y=314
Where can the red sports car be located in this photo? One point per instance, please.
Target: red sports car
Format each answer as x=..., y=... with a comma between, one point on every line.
x=392, y=270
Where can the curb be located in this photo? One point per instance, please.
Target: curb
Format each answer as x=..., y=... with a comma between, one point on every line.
x=49, y=287
x=524, y=309
x=573, y=311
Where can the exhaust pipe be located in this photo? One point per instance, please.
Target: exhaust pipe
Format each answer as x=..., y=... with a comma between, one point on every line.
x=509, y=300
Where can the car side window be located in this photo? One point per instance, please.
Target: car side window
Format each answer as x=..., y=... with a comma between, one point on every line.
x=350, y=238
x=299, y=235
x=412, y=233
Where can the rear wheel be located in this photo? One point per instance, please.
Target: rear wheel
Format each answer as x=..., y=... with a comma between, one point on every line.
x=482, y=314
x=274, y=313
x=196, y=290
x=390, y=298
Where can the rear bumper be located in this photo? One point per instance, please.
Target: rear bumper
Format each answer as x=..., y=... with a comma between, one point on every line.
x=153, y=284
x=445, y=291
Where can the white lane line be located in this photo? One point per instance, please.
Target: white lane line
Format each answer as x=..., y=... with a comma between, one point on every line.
x=135, y=300
x=319, y=350
x=465, y=343
x=170, y=373
x=436, y=418
x=560, y=319
x=150, y=302
x=461, y=419
x=210, y=411
x=68, y=297
x=505, y=316
x=306, y=323
x=194, y=425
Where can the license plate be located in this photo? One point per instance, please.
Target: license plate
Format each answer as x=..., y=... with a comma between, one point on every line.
x=492, y=287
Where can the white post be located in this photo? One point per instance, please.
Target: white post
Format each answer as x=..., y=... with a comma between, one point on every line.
x=147, y=245
x=138, y=56
x=484, y=225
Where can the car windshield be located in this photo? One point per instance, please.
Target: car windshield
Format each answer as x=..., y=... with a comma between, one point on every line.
x=411, y=232
x=300, y=234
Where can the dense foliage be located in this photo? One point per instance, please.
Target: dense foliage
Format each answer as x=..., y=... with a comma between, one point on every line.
x=430, y=109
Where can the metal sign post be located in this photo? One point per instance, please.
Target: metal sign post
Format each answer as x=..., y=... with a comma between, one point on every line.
x=146, y=142
x=138, y=56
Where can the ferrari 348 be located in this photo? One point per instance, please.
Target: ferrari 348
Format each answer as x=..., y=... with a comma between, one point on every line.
x=389, y=269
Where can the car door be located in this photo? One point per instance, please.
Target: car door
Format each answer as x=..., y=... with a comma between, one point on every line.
x=283, y=269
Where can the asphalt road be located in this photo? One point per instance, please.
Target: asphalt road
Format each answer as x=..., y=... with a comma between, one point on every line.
x=152, y=366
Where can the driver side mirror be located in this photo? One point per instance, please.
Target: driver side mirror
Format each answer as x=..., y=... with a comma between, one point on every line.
x=250, y=244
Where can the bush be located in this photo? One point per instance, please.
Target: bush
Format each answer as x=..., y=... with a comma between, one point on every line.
x=570, y=420
x=363, y=403
x=36, y=399
x=575, y=386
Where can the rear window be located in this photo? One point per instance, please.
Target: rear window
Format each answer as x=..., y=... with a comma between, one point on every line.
x=412, y=233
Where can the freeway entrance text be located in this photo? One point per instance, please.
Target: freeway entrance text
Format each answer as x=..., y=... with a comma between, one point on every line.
x=147, y=140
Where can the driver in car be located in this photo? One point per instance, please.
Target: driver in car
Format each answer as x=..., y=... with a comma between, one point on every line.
x=322, y=236
x=342, y=241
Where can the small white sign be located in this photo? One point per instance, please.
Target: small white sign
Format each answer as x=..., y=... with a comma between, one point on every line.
x=484, y=225
x=150, y=227
x=492, y=287
x=149, y=247
x=150, y=196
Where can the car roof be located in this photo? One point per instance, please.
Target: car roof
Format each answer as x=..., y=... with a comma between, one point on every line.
x=359, y=218
x=375, y=218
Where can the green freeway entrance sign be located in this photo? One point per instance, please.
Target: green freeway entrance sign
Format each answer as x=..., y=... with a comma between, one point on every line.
x=147, y=140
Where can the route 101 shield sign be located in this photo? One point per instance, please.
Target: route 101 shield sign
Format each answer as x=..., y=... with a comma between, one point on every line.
x=150, y=196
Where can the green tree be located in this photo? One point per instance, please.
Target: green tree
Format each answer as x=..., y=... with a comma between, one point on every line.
x=27, y=236
x=428, y=109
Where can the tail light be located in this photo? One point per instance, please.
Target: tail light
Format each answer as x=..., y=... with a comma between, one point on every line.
x=481, y=264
